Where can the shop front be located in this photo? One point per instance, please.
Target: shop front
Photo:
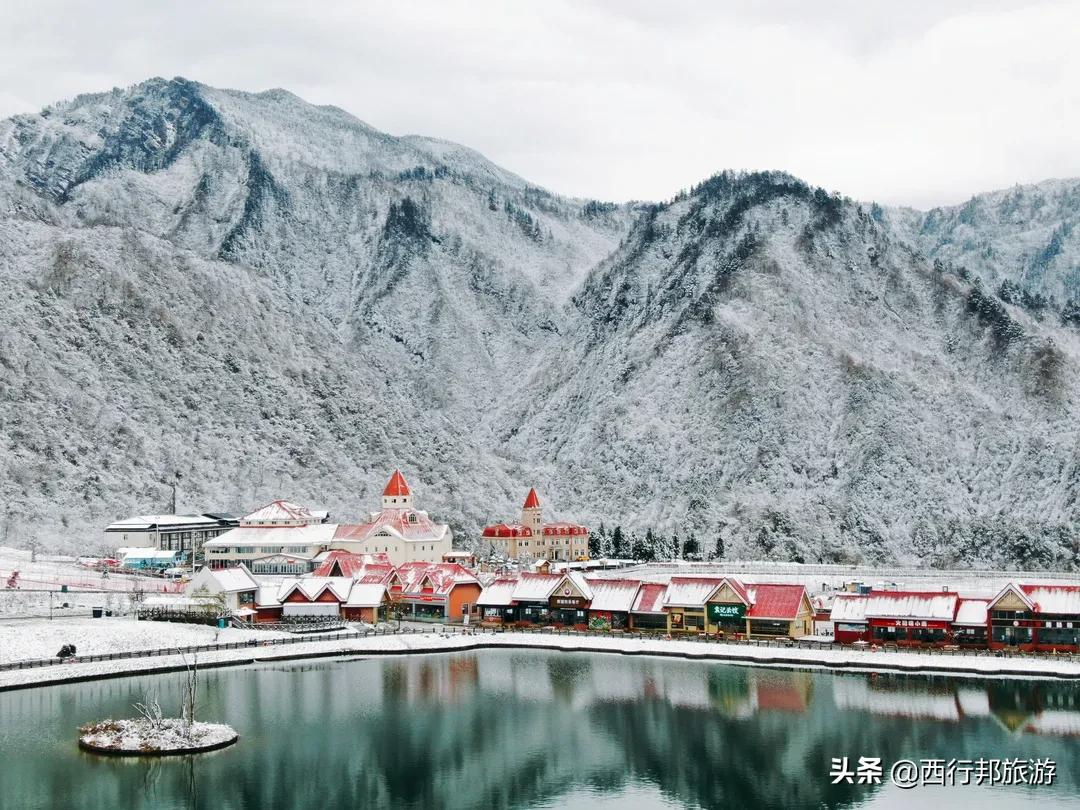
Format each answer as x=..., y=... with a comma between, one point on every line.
x=686, y=620
x=568, y=609
x=911, y=632
x=1043, y=618
x=727, y=619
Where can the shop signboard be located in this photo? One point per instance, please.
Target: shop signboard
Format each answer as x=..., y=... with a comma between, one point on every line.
x=719, y=612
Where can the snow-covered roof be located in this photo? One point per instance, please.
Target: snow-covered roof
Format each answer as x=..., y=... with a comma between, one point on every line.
x=313, y=534
x=151, y=521
x=689, y=591
x=694, y=591
x=412, y=525
x=613, y=594
x=347, y=563
x=536, y=587
x=284, y=513
x=938, y=606
x=231, y=580
x=443, y=577
x=266, y=595
x=1060, y=599
x=499, y=593
x=366, y=594
x=848, y=608
x=770, y=600
x=313, y=587
x=650, y=598
x=972, y=612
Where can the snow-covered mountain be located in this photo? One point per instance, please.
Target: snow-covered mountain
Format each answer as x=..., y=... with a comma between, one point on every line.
x=1026, y=236
x=270, y=299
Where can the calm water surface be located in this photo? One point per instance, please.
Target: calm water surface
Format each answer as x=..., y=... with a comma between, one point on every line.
x=531, y=729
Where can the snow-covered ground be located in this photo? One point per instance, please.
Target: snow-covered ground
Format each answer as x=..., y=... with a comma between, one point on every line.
x=978, y=666
x=42, y=638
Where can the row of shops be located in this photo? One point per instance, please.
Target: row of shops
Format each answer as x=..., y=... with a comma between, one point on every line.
x=354, y=587
x=711, y=605
x=1044, y=618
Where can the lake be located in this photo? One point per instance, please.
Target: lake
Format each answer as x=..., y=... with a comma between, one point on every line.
x=532, y=729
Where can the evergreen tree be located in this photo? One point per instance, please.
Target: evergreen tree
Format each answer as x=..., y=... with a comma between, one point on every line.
x=719, y=553
x=596, y=545
x=677, y=549
x=618, y=544
x=691, y=549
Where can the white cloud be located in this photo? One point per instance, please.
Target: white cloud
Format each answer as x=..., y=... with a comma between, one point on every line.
x=917, y=103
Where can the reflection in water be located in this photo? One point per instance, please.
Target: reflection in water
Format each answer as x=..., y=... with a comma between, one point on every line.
x=521, y=729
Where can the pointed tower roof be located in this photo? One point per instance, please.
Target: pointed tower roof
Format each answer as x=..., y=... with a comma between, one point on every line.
x=396, y=486
x=532, y=501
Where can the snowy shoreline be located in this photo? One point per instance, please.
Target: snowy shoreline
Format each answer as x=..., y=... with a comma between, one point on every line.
x=841, y=660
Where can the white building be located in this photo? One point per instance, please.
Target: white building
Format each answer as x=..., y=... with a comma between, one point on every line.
x=399, y=531
x=235, y=586
x=279, y=530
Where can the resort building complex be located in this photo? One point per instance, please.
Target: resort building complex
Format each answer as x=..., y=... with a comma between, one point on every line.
x=533, y=539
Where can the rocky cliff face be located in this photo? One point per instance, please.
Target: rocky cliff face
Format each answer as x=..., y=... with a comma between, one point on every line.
x=273, y=299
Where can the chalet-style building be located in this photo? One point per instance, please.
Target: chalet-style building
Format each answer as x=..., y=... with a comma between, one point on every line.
x=1035, y=617
x=532, y=539
x=1021, y=617
x=441, y=591
x=683, y=605
x=399, y=531
x=235, y=587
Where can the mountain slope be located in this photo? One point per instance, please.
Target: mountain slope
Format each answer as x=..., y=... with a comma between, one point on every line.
x=272, y=299
x=770, y=364
x=369, y=295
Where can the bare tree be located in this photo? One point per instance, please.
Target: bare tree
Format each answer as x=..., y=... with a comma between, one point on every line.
x=191, y=687
x=150, y=709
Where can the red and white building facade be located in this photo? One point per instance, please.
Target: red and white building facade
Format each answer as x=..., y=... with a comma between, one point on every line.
x=533, y=539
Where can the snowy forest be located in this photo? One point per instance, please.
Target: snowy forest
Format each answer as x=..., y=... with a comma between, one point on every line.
x=246, y=297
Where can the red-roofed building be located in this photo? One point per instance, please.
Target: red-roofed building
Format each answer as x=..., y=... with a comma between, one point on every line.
x=724, y=605
x=532, y=539
x=1035, y=617
x=443, y=591
x=399, y=531
x=338, y=563
x=648, y=611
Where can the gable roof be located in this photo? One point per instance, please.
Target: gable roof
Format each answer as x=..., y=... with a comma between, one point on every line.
x=1016, y=591
x=613, y=594
x=443, y=577
x=690, y=591
x=650, y=598
x=284, y=511
x=499, y=593
x=234, y=580
x=775, y=600
x=366, y=594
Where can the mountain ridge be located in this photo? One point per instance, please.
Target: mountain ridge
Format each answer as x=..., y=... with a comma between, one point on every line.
x=273, y=299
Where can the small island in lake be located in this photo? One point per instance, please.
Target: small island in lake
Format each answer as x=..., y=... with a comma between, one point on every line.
x=143, y=737
x=153, y=734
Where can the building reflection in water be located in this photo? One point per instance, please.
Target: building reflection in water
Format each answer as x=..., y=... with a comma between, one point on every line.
x=517, y=728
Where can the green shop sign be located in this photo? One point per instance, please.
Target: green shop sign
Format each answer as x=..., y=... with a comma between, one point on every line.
x=721, y=613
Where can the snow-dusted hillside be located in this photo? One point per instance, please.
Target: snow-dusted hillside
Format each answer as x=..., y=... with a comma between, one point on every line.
x=273, y=299
x=768, y=363
x=267, y=297
x=1026, y=235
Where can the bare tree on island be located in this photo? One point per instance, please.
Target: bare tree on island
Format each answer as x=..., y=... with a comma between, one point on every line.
x=191, y=687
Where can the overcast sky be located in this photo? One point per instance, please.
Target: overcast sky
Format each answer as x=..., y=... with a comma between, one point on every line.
x=917, y=103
